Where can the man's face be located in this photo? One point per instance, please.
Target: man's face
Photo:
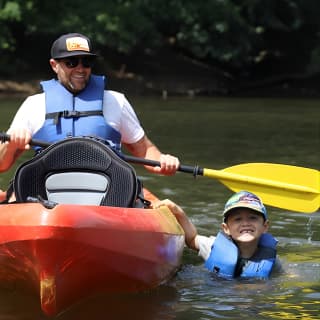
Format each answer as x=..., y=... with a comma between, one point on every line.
x=73, y=72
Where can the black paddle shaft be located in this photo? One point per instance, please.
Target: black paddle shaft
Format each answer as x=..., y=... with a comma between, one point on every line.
x=195, y=170
x=183, y=168
x=6, y=137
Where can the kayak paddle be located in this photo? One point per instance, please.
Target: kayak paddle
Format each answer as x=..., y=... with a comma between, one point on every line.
x=283, y=186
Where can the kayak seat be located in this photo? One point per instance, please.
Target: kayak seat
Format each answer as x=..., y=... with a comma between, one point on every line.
x=78, y=171
x=77, y=187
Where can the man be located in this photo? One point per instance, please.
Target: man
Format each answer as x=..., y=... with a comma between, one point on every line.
x=76, y=104
x=243, y=248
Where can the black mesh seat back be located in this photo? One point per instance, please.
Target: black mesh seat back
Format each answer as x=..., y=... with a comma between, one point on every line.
x=78, y=155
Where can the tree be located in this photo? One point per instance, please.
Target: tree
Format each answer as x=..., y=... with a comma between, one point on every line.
x=245, y=37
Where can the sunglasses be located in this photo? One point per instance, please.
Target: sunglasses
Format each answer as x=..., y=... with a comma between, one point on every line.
x=72, y=62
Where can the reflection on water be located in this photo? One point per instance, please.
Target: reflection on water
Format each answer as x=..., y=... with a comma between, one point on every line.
x=216, y=133
x=193, y=294
x=285, y=296
x=157, y=304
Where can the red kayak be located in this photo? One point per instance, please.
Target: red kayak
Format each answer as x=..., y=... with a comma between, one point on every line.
x=66, y=252
x=70, y=252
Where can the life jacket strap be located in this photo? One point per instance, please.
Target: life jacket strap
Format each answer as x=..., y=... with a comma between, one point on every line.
x=72, y=114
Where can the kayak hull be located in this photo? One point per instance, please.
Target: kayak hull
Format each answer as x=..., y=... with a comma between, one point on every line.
x=70, y=252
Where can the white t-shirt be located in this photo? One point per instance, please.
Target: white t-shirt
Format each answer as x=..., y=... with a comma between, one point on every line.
x=204, y=244
x=117, y=111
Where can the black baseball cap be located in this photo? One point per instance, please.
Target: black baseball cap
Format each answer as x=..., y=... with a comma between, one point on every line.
x=71, y=44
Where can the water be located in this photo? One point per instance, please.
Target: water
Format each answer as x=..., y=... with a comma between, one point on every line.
x=215, y=133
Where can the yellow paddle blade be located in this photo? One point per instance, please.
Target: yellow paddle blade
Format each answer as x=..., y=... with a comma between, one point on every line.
x=283, y=186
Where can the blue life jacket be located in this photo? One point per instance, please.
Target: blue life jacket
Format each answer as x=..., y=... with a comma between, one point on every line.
x=69, y=115
x=224, y=258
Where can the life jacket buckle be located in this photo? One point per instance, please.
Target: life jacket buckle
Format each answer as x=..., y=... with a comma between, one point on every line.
x=71, y=114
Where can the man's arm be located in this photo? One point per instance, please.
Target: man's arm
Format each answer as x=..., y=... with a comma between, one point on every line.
x=10, y=151
x=144, y=148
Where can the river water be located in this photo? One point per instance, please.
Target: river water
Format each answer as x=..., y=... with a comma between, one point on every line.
x=214, y=133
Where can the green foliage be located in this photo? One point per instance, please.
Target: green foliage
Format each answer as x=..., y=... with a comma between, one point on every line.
x=10, y=12
x=242, y=36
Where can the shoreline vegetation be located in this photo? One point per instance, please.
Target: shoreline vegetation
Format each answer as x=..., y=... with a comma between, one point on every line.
x=166, y=87
x=171, y=48
x=176, y=76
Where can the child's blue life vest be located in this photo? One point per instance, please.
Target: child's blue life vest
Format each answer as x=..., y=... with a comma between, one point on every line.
x=224, y=258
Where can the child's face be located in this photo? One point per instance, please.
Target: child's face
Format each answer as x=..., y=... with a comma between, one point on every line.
x=245, y=225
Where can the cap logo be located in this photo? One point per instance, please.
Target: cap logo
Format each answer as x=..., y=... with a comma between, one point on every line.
x=246, y=198
x=77, y=43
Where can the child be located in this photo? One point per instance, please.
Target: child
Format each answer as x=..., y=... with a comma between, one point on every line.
x=243, y=248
